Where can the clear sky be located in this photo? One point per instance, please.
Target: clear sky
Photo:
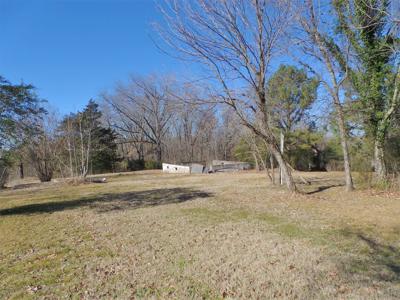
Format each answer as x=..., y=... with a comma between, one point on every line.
x=71, y=50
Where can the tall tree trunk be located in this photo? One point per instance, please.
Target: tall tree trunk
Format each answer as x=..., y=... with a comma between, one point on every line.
x=159, y=153
x=70, y=161
x=21, y=170
x=3, y=175
x=344, y=144
x=333, y=89
x=379, y=160
x=83, y=171
x=271, y=161
x=287, y=175
x=191, y=152
x=263, y=163
x=70, y=149
x=257, y=166
x=273, y=147
x=88, y=152
x=381, y=132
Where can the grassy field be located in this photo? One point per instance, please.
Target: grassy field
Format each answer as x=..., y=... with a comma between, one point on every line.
x=152, y=235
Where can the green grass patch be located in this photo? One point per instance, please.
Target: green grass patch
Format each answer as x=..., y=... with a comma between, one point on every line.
x=279, y=225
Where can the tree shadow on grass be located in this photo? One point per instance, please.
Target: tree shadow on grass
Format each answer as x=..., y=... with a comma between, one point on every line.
x=112, y=201
x=323, y=188
x=380, y=262
x=315, y=185
x=384, y=255
x=27, y=185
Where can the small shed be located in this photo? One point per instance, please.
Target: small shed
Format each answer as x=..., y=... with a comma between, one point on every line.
x=196, y=168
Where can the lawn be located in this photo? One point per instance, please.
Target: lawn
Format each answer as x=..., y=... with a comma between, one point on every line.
x=152, y=235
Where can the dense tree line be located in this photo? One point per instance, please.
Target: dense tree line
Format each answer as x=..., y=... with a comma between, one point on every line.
x=348, y=45
x=335, y=101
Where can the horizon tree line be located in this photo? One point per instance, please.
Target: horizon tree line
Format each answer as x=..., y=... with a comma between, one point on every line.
x=344, y=56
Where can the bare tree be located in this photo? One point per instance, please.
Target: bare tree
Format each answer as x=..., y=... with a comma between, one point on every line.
x=236, y=40
x=78, y=134
x=228, y=133
x=66, y=139
x=144, y=107
x=315, y=44
x=130, y=136
x=85, y=143
x=42, y=158
x=70, y=145
x=190, y=123
x=259, y=153
x=42, y=148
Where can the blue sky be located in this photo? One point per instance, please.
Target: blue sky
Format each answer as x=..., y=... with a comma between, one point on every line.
x=72, y=50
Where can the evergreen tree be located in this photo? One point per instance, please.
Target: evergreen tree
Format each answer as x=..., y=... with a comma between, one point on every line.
x=105, y=154
x=291, y=93
x=90, y=146
x=19, y=111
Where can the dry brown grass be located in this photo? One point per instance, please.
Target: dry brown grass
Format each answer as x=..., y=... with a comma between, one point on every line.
x=152, y=235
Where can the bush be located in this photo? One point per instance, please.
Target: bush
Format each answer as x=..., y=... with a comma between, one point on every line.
x=136, y=164
x=152, y=165
x=121, y=166
x=5, y=164
x=393, y=152
x=140, y=164
x=3, y=176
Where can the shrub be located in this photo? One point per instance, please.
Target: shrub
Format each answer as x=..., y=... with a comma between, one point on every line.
x=152, y=165
x=5, y=164
x=136, y=164
x=3, y=176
